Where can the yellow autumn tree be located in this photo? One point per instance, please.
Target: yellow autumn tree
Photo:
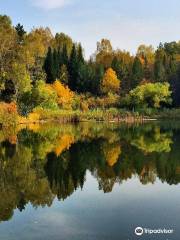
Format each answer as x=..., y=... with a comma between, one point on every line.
x=65, y=95
x=112, y=153
x=110, y=82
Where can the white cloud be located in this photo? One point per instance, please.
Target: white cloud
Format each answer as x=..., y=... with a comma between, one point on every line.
x=50, y=4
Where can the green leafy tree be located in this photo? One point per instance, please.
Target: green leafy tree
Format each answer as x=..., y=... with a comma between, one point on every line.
x=21, y=79
x=8, y=40
x=104, y=53
x=35, y=46
x=149, y=95
x=62, y=40
x=146, y=52
x=33, y=51
x=44, y=96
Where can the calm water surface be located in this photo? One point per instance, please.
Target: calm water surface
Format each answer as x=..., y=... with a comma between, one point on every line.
x=89, y=181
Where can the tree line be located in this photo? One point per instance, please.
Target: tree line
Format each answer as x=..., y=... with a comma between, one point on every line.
x=30, y=58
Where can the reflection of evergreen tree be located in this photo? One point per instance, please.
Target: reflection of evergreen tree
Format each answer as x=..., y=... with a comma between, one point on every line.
x=67, y=172
x=59, y=177
x=21, y=204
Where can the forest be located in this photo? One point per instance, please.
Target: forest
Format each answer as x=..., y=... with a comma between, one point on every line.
x=42, y=75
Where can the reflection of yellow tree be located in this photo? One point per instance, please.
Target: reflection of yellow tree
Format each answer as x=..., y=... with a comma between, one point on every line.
x=107, y=177
x=112, y=153
x=63, y=143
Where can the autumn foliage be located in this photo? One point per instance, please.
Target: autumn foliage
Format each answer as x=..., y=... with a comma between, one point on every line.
x=110, y=82
x=63, y=143
x=8, y=113
x=64, y=94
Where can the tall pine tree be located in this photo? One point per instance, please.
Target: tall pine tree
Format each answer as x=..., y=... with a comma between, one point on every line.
x=80, y=57
x=72, y=69
x=64, y=55
x=21, y=32
x=137, y=72
x=49, y=67
x=55, y=63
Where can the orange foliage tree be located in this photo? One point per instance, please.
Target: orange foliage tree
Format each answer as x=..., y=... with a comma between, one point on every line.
x=65, y=95
x=110, y=82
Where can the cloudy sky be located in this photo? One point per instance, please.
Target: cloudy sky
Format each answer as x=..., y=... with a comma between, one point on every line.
x=127, y=23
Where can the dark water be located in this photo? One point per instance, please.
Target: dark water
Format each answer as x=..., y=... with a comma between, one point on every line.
x=90, y=181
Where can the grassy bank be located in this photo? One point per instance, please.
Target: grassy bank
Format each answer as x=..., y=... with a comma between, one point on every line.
x=171, y=114
x=100, y=115
x=97, y=115
x=9, y=115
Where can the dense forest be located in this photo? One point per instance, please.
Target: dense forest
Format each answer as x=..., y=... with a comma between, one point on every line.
x=42, y=72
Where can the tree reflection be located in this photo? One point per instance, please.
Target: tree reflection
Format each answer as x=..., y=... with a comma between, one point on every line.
x=38, y=165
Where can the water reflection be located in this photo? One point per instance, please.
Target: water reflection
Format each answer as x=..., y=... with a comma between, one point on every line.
x=40, y=163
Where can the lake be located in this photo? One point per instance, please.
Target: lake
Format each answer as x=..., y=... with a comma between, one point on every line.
x=90, y=181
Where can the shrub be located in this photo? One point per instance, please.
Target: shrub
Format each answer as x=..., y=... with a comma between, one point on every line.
x=149, y=95
x=65, y=95
x=44, y=96
x=8, y=114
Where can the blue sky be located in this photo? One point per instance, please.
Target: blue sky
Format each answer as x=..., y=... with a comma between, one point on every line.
x=127, y=23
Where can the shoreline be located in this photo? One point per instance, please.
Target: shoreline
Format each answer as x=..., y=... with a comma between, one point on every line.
x=119, y=120
x=112, y=115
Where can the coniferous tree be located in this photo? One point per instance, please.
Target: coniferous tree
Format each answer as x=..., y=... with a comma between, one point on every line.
x=148, y=73
x=123, y=70
x=49, y=67
x=159, y=71
x=98, y=79
x=175, y=87
x=83, y=76
x=80, y=56
x=116, y=67
x=55, y=63
x=137, y=72
x=64, y=55
x=72, y=69
x=59, y=61
x=20, y=31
